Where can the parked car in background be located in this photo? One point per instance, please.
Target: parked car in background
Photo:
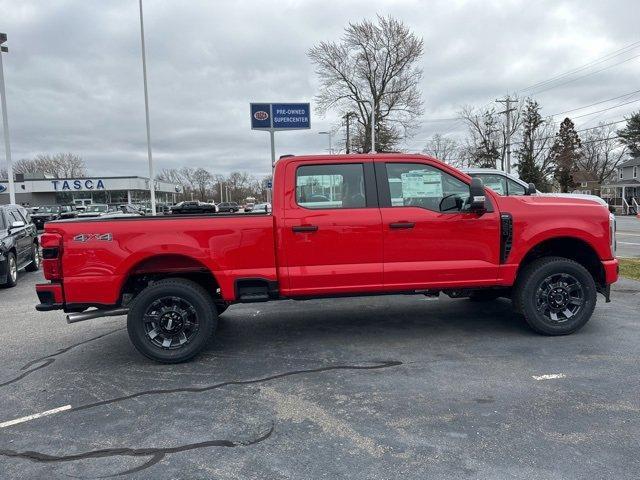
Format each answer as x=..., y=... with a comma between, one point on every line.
x=506, y=184
x=95, y=210
x=48, y=213
x=228, y=207
x=248, y=207
x=262, y=207
x=18, y=244
x=193, y=208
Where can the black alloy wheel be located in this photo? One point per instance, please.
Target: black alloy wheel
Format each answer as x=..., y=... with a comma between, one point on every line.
x=172, y=320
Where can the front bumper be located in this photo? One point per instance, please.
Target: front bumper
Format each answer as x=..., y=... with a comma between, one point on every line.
x=611, y=271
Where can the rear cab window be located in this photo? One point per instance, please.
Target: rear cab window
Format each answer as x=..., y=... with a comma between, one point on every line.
x=331, y=186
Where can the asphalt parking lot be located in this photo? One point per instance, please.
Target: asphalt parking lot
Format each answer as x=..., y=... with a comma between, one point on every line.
x=384, y=387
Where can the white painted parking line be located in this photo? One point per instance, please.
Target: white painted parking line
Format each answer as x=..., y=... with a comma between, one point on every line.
x=34, y=416
x=627, y=243
x=550, y=376
x=625, y=234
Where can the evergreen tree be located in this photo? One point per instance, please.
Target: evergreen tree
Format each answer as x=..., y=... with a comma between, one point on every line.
x=566, y=151
x=534, y=162
x=630, y=135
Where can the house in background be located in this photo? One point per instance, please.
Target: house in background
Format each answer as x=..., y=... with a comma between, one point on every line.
x=623, y=192
x=586, y=182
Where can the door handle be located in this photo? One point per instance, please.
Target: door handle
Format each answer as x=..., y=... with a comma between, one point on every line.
x=304, y=228
x=402, y=225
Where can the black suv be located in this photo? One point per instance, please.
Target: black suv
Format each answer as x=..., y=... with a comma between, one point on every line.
x=18, y=244
x=48, y=213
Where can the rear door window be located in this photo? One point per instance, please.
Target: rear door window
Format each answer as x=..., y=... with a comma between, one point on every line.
x=331, y=186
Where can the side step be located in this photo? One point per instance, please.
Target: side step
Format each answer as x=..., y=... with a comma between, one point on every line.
x=249, y=290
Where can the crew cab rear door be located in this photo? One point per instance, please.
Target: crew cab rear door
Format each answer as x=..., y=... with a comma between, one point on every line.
x=332, y=230
x=430, y=240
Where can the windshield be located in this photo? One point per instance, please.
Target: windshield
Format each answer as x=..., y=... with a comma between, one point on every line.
x=49, y=209
x=97, y=208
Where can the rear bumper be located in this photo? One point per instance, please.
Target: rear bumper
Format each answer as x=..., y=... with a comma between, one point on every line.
x=50, y=296
x=611, y=271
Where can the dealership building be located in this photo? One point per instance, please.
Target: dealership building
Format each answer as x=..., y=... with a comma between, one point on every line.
x=36, y=189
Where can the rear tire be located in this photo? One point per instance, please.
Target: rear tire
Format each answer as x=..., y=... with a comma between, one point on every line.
x=172, y=320
x=556, y=295
x=34, y=266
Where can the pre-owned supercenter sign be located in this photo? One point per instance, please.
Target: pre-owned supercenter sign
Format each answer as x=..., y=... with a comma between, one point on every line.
x=280, y=116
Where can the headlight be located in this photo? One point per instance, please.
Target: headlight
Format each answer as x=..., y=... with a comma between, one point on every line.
x=612, y=234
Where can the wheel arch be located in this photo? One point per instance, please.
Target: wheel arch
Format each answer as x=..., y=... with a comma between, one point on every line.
x=167, y=265
x=573, y=248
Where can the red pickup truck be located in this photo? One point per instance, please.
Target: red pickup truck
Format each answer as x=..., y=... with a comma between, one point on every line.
x=342, y=225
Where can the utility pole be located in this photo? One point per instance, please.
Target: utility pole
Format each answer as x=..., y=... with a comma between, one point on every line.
x=507, y=101
x=5, y=122
x=346, y=118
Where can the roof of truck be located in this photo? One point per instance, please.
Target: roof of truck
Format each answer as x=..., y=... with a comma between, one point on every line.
x=356, y=156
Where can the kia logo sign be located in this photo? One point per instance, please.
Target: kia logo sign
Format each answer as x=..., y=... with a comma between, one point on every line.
x=2, y=188
x=261, y=115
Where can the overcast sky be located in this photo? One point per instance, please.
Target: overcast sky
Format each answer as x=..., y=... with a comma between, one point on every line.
x=74, y=76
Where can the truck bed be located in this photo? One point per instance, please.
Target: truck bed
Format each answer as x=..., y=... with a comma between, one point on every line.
x=101, y=253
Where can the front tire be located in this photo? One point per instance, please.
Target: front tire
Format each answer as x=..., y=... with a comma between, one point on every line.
x=12, y=270
x=172, y=320
x=556, y=295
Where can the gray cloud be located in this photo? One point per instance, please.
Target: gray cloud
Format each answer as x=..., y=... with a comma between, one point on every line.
x=74, y=75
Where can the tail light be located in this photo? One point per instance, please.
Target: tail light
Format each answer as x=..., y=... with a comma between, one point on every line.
x=51, y=255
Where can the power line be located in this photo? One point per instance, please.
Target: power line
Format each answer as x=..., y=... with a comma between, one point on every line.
x=596, y=103
x=609, y=108
x=537, y=92
x=596, y=61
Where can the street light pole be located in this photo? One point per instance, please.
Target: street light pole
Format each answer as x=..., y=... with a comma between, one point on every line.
x=5, y=122
x=152, y=182
x=330, y=143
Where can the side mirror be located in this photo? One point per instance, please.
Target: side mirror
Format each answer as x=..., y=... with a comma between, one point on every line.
x=17, y=224
x=531, y=190
x=477, y=200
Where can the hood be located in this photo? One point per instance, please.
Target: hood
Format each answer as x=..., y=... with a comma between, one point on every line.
x=43, y=215
x=559, y=199
x=593, y=198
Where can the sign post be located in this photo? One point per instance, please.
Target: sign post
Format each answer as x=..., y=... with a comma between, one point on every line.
x=272, y=117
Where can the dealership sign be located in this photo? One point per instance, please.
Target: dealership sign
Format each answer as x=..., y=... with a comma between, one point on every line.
x=83, y=184
x=280, y=116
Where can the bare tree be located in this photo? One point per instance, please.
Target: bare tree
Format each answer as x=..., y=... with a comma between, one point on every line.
x=60, y=165
x=372, y=62
x=487, y=140
x=602, y=152
x=203, y=181
x=446, y=149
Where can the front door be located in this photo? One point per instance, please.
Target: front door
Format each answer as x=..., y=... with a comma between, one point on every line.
x=21, y=235
x=332, y=231
x=430, y=237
